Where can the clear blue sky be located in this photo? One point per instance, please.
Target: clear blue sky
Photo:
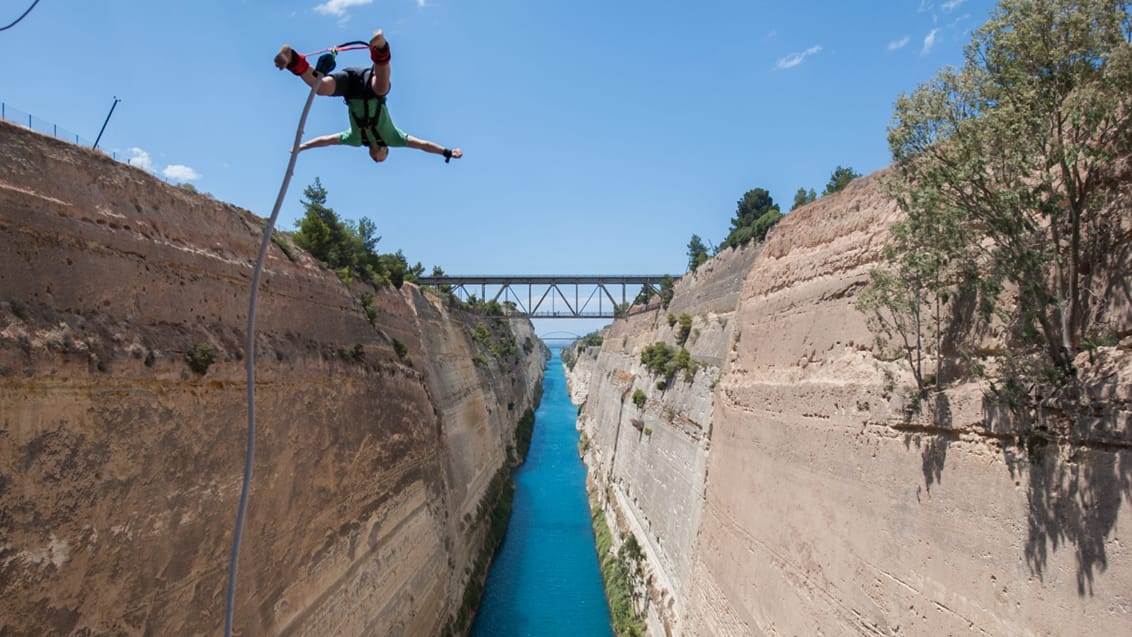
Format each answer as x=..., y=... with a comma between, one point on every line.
x=598, y=136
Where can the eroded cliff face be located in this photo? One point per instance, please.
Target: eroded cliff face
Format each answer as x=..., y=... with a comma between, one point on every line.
x=816, y=503
x=648, y=464
x=120, y=467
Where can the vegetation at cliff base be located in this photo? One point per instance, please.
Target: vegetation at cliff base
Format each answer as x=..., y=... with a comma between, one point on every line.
x=524, y=431
x=494, y=510
x=1008, y=170
x=621, y=574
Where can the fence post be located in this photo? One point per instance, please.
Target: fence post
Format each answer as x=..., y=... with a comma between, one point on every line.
x=55, y=130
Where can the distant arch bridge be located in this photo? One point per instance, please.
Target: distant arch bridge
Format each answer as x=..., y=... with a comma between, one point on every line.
x=553, y=296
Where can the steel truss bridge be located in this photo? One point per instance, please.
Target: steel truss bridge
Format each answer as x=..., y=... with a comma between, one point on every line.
x=547, y=296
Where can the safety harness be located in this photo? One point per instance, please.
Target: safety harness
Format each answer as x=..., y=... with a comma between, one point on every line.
x=365, y=121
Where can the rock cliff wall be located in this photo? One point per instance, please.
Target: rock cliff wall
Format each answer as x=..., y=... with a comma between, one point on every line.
x=807, y=501
x=120, y=466
x=648, y=464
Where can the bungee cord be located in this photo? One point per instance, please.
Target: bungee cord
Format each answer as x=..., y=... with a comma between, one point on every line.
x=22, y=16
x=249, y=364
x=249, y=347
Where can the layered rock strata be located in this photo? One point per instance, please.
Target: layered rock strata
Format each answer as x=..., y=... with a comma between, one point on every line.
x=811, y=499
x=648, y=463
x=121, y=463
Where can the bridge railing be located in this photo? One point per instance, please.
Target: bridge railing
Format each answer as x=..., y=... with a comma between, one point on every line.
x=553, y=296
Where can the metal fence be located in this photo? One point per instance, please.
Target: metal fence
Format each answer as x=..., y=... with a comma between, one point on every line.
x=16, y=116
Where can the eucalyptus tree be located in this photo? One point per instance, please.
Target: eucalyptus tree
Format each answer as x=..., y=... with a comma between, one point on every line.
x=1008, y=169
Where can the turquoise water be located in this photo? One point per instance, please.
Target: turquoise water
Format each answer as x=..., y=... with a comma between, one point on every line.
x=545, y=579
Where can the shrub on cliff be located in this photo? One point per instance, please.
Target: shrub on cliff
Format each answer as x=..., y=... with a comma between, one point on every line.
x=664, y=361
x=639, y=398
x=400, y=349
x=497, y=339
x=685, y=330
x=656, y=358
x=201, y=357
x=593, y=338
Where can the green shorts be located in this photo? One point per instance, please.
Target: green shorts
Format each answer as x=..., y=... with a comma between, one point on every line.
x=369, y=116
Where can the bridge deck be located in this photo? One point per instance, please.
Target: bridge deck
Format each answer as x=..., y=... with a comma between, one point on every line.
x=550, y=300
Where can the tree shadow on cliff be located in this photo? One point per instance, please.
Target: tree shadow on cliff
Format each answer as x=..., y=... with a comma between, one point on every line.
x=1076, y=483
x=935, y=437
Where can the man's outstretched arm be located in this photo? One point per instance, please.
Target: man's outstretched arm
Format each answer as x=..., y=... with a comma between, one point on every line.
x=431, y=147
x=325, y=140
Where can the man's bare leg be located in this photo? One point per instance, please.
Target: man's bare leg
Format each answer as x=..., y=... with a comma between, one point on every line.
x=379, y=53
x=432, y=147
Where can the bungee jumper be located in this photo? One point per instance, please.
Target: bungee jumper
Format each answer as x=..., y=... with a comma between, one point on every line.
x=365, y=91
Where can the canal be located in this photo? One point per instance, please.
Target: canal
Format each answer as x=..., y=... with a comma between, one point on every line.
x=545, y=579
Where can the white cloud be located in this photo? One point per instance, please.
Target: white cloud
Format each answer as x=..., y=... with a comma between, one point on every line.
x=930, y=41
x=339, y=7
x=177, y=172
x=140, y=158
x=951, y=5
x=925, y=6
x=794, y=59
x=899, y=44
x=180, y=172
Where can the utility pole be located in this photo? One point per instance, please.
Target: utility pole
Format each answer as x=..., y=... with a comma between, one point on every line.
x=103, y=129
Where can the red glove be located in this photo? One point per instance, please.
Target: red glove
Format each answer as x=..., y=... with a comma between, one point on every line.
x=380, y=56
x=298, y=64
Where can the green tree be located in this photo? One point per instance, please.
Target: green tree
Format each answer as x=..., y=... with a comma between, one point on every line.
x=644, y=295
x=437, y=271
x=697, y=252
x=839, y=179
x=755, y=214
x=803, y=197
x=349, y=248
x=320, y=231
x=667, y=290
x=1016, y=153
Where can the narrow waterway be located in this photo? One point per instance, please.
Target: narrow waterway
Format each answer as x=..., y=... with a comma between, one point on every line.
x=545, y=580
